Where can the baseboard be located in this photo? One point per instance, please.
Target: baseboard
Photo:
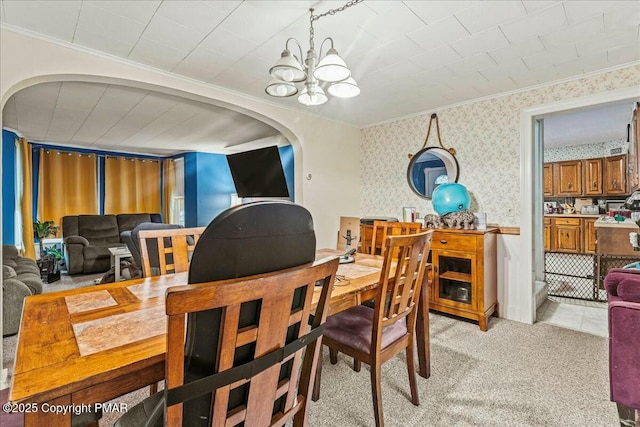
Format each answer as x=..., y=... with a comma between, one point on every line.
x=541, y=293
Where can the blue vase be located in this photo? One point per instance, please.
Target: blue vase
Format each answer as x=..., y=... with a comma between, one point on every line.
x=450, y=197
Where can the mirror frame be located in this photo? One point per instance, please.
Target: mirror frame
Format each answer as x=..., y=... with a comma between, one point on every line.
x=447, y=158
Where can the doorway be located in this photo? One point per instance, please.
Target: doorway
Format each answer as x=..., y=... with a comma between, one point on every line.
x=531, y=220
x=568, y=143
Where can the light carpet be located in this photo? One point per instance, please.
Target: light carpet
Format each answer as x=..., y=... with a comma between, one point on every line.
x=512, y=375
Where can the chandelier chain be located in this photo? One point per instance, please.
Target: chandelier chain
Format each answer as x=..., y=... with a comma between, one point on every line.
x=334, y=11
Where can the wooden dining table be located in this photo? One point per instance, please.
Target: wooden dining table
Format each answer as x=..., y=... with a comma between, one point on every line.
x=90, y=345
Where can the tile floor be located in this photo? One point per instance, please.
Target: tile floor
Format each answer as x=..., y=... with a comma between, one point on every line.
x=585, y=316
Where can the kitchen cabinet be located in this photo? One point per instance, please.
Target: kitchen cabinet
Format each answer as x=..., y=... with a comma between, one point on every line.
x=593, y=177
x=548, y=179
x=569, y=178
x=634, y=152
x=567, y=234
x=589, y=235
x=547, y=234
x=464, y=280
x=615, y=175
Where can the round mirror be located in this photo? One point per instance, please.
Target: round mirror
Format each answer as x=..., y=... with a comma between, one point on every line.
x=429, y=168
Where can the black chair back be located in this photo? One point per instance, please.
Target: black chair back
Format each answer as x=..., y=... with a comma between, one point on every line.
x=249, y=239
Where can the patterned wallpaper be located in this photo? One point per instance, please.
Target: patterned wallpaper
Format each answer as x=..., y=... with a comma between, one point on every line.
x=584, y=151
x=486, y=136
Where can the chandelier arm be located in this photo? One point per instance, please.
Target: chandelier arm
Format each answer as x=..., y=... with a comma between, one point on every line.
x=322, y=44
x=286, y=45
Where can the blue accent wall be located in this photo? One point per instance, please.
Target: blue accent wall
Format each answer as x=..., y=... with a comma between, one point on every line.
x=215, y=186
x=8, y=187
x=190, y=190
x=286, y=157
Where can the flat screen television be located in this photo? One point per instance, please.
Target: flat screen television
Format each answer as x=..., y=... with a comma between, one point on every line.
x=258, y=173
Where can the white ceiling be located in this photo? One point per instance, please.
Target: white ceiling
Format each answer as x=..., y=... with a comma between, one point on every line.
x=112, y=117
x=587, y=126
x=407, y=56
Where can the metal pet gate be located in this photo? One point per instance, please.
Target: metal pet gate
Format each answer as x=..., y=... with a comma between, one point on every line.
x=580, y=276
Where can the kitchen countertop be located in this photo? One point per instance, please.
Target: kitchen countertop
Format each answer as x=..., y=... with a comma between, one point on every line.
x=575, y=215
x=610, y=222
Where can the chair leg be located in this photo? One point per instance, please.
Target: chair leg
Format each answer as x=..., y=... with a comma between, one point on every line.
x=315, y=394
x=411, y=368
x=376, y=391
x=333, y=355
x=357, y=365
x=626, y=415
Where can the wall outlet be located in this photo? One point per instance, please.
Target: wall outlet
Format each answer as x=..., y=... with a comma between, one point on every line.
x=615, y=151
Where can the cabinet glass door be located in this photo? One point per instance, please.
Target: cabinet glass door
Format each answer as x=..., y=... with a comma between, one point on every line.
x=455, y=279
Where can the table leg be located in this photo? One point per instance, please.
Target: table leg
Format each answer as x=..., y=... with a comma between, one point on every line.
x=422, y=331
x=46, y=416
x=117, y=268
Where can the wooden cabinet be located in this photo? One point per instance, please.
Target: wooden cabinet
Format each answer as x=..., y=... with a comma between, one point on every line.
x=567, y=234
x=634, y=152
x=608, y=176
x=464, y=281
x=593, y=177
x=548, y=179
x=615, y=175
x=547, y=234
x=589, y=235
x=569, y=178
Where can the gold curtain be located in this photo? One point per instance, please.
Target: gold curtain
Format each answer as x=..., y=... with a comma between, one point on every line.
x=169, y=183
x=131, y=185
x=26, y=198
x=67, y=185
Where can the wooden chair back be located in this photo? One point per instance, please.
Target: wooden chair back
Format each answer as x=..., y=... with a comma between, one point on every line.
x=382, y=229
x=278, y=392
x=174, y=249
x=398, y=297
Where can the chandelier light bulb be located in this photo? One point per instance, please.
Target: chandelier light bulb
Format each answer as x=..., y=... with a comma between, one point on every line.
x=316, y=97
x=287, y=75
x=345, y=89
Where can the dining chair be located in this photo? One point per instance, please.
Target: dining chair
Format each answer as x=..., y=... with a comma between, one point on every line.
x=382, y=229
x=174, y=249
x=236, y=245
x=374, y=336
x=265, y=370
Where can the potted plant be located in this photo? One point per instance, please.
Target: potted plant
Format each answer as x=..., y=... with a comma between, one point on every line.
x=42, y=230
x=48, y=262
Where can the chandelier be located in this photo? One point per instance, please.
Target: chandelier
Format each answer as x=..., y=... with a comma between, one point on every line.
x=331, y=69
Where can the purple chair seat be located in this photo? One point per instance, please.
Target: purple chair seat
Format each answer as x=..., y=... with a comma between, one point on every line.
x=354, y=327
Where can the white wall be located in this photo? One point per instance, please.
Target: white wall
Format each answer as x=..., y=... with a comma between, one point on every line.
x=324, y=149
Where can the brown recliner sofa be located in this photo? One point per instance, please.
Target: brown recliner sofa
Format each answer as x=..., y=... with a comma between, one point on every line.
x=87, y=239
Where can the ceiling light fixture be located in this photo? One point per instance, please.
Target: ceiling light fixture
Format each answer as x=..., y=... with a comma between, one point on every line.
x=331, y=69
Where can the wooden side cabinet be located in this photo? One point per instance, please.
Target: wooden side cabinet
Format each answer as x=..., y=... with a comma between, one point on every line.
x=547, y=234
x=548, y=179
x=569, y=180
x=567, y=234
x=464, y=281
x=593, y=177
x=615, y=175
x=589, y=235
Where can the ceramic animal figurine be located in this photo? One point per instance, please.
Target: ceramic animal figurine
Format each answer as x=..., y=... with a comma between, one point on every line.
x=432, y=221
x=461, y=219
